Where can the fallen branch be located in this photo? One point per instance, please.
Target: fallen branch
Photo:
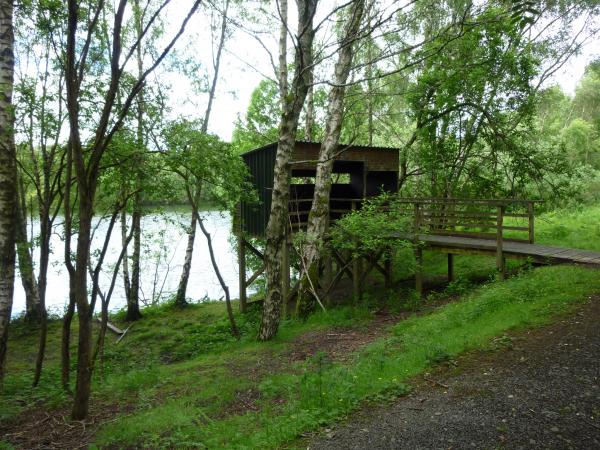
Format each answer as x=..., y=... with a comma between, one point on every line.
x=124, y=333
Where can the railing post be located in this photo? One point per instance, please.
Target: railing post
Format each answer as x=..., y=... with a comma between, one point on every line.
x=356, y=270
x=450, y=267
x=285, y=274
x=500, y=262
x=417, y=219
x=530, y=211
x=418, y=251
x=419, y=269
x=241, y=261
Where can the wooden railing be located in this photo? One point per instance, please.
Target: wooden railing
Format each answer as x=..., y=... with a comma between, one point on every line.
x=299, y=208
x=476, y=218
x=498, y=220
x=473, y=218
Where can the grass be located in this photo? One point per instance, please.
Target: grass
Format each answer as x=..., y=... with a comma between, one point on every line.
x=180, y=375
x=318, y=392
x=575, y=228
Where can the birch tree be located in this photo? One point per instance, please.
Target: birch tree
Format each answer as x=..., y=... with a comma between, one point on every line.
x=86, y=158
x=292, y=105
x=318, y=219
x=193, y=185
x=8, y=176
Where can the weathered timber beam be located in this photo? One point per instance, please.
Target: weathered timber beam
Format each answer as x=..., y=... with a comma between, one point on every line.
x=254, y=250
x=255, y=275
x=343, y=264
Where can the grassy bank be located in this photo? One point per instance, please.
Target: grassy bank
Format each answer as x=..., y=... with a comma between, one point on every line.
x=179, y=379
x=308, y=394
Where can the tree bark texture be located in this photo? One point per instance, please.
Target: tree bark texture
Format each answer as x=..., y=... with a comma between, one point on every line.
x=318, y=219
x=30, y=286
x=126, y=277
x=8, y=176
x=45, y=232
x=180, y=298
x=133, y=300
x=133, y=297
x=68, y=317
x=292, y=106
x=283, y=69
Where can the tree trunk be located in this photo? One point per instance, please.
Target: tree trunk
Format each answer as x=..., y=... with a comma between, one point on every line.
x=318, y=220
x=84, y=315
x=292, y=106
x=87, y=164
x=234, y=328
x=133, y=300
x=65, y=350
x=8, y=176
x=180, y=297
x=68, y=230
x=126, y=278
x=30, y=286
x=283, y=69
x=45, y=230
x=310, y=112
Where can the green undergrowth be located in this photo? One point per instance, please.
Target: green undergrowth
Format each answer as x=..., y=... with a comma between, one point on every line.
x=179, y=379
x=574, y=228
x=167, y=341
x=306, y=395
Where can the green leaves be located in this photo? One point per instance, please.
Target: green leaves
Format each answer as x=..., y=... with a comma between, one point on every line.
x=369, y=229
x=524, y=13
x=202, y=160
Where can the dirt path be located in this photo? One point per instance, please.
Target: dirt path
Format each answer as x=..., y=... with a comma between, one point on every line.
x=541, y=390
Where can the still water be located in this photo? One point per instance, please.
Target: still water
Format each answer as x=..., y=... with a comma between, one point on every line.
x=164, y=240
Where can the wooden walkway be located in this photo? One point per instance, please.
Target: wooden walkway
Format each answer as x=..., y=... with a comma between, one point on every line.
x=542, y=254
x=503, y=228
x=500, y=228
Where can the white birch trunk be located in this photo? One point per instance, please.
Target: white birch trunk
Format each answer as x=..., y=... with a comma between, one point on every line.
x=292, y=106
x=8, y=175
x=318, y=220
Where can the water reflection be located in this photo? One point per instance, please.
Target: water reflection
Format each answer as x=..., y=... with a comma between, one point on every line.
x=163, y=248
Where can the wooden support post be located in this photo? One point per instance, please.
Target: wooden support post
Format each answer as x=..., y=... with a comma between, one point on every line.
x=500, y=260
x=387, y=264
x=356, y=278
x=419, y=269
x=327, y=275
x=417, y=220
x=450, y=267
x=418, y=250
x=242, y=271
x=530, y=211
x=285, y=275
x=356, y=271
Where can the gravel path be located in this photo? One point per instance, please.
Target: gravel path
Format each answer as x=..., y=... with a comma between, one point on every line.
x=540, y=391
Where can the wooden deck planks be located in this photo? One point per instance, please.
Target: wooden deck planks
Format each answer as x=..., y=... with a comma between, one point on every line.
x=520, y=249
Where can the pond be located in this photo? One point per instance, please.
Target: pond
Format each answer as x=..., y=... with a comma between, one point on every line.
x=164, y=240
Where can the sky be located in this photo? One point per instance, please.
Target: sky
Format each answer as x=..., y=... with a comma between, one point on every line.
x=245, y=64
